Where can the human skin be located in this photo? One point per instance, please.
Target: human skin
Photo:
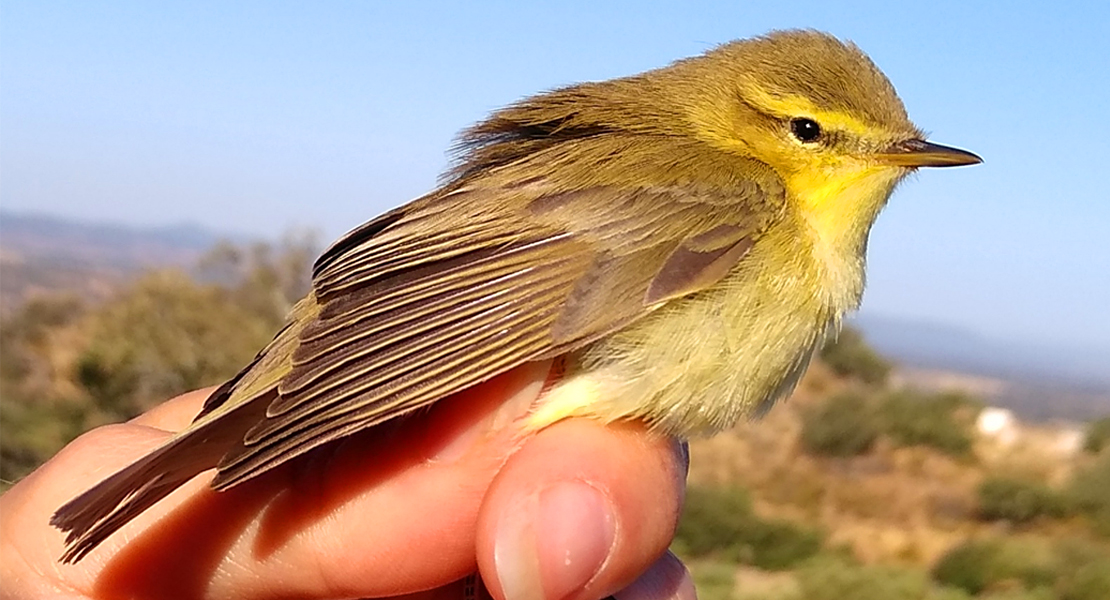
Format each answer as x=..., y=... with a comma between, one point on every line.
x=577, y=511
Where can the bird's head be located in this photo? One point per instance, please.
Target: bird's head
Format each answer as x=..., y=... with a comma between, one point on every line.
x=816, y=110
x=803, y=100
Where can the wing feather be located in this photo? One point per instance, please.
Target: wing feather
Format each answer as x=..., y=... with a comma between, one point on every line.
x=416, y=313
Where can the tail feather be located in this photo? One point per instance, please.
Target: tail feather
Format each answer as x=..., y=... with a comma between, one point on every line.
x=97, y=513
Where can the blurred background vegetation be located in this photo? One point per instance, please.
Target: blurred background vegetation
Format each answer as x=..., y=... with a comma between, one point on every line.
x=860, y=488
x=68, y=364
x=857, y=487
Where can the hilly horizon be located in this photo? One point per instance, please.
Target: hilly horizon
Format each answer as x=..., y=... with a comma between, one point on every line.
x=943, y=346
x=41, y=236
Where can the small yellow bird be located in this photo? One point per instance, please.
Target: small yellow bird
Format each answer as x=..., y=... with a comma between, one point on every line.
x=683, y=239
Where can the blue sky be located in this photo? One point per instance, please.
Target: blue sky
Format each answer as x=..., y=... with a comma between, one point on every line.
x=259, y=116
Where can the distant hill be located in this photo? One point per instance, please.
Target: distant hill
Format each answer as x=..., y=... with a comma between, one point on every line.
x=42, y=253
x=1040, y=381
x=65, y=241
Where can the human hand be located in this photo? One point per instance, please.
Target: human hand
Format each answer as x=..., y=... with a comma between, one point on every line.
x=577, y=511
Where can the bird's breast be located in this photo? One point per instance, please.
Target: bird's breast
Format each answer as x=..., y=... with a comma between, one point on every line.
x=701, y=363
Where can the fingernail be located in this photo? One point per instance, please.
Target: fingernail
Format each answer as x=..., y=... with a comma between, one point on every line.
x=554, y=543
x=576, y=532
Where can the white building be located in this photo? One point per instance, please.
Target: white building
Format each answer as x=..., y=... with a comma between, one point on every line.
x=997, y=424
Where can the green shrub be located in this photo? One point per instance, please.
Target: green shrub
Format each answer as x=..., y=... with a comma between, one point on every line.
x=1089, y=493
x=849, y=356
x=1008, y=569
x=1098, y=435
x=1084, y=571
x=162, y=336
x=828, y=578
x=967, y=566
x=1089, y=582
x=913, y=419
x=843, y=425
x=776, y=545
x=977, y=565
x=714, y=580
x=719, y=522
x=1018, y=501
x=713, y=519
x=37, y=413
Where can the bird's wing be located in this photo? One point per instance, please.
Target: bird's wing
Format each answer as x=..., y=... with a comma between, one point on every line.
x=413, y=307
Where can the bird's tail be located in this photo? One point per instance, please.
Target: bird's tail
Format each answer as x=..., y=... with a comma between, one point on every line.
x=91, y=517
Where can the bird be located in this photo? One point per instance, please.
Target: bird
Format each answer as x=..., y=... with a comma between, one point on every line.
x=681, y=241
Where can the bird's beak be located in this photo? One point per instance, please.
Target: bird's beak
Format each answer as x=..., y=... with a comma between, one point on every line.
x=919, y=153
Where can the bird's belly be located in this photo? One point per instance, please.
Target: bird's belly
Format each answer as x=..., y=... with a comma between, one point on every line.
x=698, y=365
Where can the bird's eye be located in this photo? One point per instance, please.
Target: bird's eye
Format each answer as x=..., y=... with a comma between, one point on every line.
x=806, y=130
